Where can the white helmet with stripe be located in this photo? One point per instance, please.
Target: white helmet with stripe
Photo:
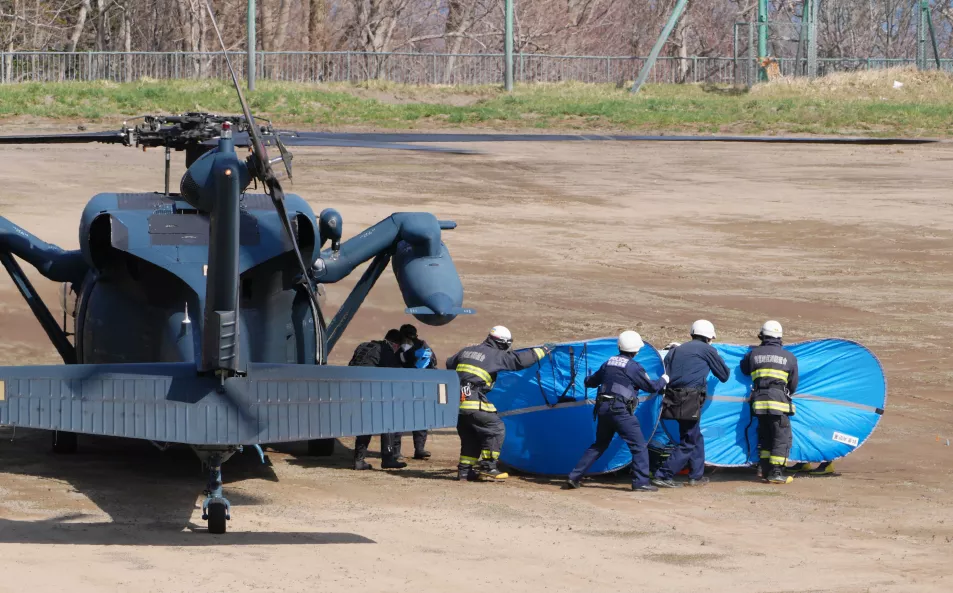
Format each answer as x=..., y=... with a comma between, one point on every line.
x=630, y=342
x=501, y=336
x=771, y=329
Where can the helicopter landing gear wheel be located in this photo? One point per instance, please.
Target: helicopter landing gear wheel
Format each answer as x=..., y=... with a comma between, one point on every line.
x=321, y=447
x=215, y=509
x=64, y=443
x=217, y=513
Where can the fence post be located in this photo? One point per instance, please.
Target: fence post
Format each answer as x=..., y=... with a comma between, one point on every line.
x=433, y=80
x=349, y=65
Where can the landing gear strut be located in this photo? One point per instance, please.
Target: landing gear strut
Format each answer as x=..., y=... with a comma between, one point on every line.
x=215, y=509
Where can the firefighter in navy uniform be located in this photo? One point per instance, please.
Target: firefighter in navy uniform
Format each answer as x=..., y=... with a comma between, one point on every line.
x=773, y=372
x=414, y=354
x=479, y=426
x=378, y=353
x=688, y=365
x=619, y=380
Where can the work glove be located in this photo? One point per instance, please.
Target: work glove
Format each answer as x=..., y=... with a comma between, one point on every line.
x=664, y=377
x=673, y=345
x=549, y=347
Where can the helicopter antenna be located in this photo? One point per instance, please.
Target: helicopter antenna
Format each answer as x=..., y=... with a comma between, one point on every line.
x=261, y=168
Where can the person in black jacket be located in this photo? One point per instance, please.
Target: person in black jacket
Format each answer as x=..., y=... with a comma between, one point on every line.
x=414, y=354
x=619, y=380
x=378, y=353
x=688, y=365
x=479, y=426
x=774, y=378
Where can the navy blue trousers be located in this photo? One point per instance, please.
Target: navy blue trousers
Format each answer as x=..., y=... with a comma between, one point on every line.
x=690, y=451
x=614, y=418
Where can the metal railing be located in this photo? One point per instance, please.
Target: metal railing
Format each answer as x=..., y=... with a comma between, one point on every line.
x=407, y=68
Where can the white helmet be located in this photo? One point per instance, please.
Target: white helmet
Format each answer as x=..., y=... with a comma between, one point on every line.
x=630, y=341
x=501, y=336
x=703, y=328
x=771, y=329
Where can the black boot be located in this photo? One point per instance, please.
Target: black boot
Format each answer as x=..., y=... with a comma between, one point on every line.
x=765, y=469
x=360, y=452
x=392, y=462
x=465, y=473
x=777, y=476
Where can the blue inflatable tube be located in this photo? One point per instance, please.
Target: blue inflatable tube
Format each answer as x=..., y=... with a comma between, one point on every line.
x=547, y=436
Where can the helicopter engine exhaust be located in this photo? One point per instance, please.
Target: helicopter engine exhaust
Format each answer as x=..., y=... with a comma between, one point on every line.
x=425, y=273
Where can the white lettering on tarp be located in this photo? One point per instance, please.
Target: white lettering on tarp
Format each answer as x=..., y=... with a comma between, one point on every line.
x=473, y=355
x=846, y=439
x=617, y=361
x=770, y=358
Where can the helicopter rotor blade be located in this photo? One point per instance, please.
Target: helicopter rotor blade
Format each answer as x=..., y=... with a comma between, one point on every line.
x=116, y=137
x=298, y=139
x=405, y=137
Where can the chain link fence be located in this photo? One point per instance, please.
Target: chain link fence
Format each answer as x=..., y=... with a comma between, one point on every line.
x=412, y=68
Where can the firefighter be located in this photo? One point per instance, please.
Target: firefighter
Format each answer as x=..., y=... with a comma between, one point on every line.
x=773, y=372
x=688, y=366
x=619, y=380
x=479, y=426
x=414, y=353
x=378, y=353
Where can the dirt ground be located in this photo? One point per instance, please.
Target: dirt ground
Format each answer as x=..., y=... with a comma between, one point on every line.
x=558, y=242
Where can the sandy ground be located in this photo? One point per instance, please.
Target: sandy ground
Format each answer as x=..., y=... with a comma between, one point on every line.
x=558, y=242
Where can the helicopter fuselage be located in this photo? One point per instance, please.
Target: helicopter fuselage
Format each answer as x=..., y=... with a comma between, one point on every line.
x=143, y=297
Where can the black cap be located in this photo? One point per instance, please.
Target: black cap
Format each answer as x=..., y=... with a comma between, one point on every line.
x=394, y=336
x=408, y=331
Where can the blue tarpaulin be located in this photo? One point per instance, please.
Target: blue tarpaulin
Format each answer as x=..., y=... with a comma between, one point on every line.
x=839, y=401
x=547, y=437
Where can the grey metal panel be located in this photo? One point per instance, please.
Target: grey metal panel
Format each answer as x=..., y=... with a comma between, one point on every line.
x=274, y=403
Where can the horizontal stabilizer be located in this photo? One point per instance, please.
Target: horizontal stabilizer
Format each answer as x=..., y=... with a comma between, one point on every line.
x=429, y=311
x=170, y=402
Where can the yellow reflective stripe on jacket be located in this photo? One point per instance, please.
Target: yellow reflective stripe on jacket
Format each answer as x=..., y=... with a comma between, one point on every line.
x=477, y=372
x=772, y=405
x=472, y=404
x=540, y=353
x=770, y=373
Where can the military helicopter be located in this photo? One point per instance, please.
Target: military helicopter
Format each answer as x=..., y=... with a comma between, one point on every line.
x=196, y=313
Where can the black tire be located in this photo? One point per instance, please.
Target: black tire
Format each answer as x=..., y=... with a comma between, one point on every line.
x=216, y=518
x=321, y=447
x=64, y=443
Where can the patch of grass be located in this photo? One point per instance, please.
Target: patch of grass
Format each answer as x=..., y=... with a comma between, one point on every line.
x=676, y=559
x=615, y=533
x=765, y=492
x=865, y=103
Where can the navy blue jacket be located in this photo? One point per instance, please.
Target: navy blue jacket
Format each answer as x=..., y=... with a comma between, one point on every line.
x=688, y=365
x=621, y=377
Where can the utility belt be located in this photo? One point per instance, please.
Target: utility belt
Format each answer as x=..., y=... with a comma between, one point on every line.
x=683, y=403
x=630, y=403
x=772, y=401
x=467, y=391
